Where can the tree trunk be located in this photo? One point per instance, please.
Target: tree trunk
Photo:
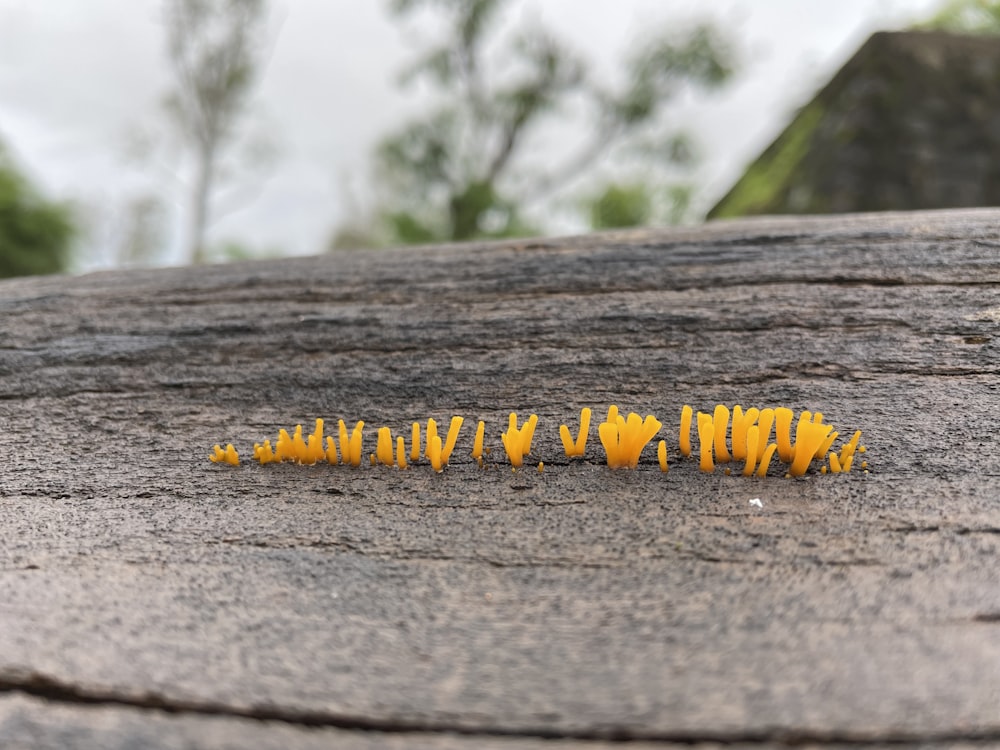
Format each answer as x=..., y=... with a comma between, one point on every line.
x=199, y=204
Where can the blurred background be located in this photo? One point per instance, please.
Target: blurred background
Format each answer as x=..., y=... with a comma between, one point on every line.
x=156, y=132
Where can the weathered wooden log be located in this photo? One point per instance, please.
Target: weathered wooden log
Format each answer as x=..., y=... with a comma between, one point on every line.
x=150, y=597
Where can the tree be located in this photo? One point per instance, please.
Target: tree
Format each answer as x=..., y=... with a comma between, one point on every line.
x=965, y=17
x=35, y=235
x=460, y=171
x=213, y=47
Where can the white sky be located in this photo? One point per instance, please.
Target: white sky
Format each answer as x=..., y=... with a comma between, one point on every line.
x=79, y=79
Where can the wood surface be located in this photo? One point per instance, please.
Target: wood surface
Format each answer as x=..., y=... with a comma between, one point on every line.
x=150, y=598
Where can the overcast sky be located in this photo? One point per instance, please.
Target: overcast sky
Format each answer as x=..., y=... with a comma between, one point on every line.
x=81, y=80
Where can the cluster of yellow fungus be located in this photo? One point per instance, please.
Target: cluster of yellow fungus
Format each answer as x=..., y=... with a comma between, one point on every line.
x=624, y=438
x=724, y=436
x=312, y=449
x=227, y=456
x=315, y=448
x=517, y=441
x=749, y=440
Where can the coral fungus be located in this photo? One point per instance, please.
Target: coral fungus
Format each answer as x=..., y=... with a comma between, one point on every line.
x=624, y=438
x=575, y=448
x=517, y=440
x=750, y=438
x=227, y=456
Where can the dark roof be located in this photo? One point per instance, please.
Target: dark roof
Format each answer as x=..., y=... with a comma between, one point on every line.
x=911, y=121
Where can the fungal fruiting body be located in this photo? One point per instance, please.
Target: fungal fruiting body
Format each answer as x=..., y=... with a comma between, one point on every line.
x=400, y=452
x=783, y=433
x=449, y=443
x=720, y=421
x=624, y=438
x=575, y=448
x=809, y=438
x=383, y=450
x=706, y=440
x=845, y=459
x=227, y=456
x=432, y=432
x=751, y=437
x=415, y=442
x=517, y=440
x=434, y=452
x=685, y=437
x=723, y=436
x=355, y=443
x=477, y=443
x=742, y=422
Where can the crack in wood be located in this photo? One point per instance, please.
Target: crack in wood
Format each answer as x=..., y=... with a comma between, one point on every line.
x=45, y=687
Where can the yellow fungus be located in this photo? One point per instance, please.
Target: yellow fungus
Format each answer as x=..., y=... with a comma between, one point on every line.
x=283, y=446
x=383, y=450
x=750, y=449
x=355, y=443
x=835, y=463
x=314, y=447
x=415, y=442
x=512, y=445
x=567, y=440
x=765, y=460
x=227, y=456
x=345, y=442
x=449, y=443
x=477, y=444
x=371, y=459
x=541, y=467
x=513, y=441
x=528, y=433
x=720, y=422
x=765, y=421
x=783, y=433
x=432, y=433
x=263, y=453
x=434, y=453
x=824, y=448
x=400, y=452
x=848, y=450
x=727, y=471
x=809, y=437
x=625, y=437
x=741, y=423
x=685, y=437
x=706, y=439
x=576, y=447
x=300, y=453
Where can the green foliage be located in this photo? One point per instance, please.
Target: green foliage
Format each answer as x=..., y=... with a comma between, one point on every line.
x=35, y=235
x=459, y=172
x=965, y=17
x=638, y=203
x=621, y=206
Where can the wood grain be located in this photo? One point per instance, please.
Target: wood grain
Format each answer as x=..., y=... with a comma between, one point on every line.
x=483, y=607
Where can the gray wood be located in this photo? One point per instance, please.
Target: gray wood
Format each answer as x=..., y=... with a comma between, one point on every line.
x=490, y=606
